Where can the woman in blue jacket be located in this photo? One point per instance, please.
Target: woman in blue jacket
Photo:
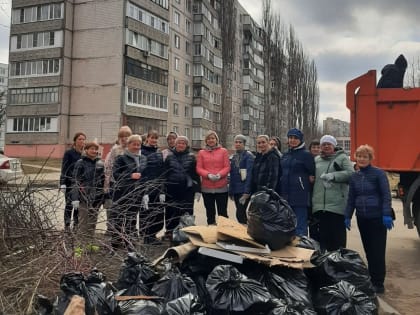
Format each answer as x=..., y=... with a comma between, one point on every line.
x=298, y=168
x=370, y=195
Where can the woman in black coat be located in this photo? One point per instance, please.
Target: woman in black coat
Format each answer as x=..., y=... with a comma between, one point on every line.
x=182, y=182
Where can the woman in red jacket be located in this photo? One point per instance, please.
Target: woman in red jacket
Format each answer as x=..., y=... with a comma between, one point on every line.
x=213, y=166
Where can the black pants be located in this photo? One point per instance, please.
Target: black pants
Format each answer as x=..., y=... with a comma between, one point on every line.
x=240, y=209
x=211, y=200
x=68, y=210
x=151, y=220
x=373, y=234
x=178, y=202
x=332, y=231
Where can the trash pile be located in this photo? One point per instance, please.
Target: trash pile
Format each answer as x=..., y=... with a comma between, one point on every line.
x=222, y=270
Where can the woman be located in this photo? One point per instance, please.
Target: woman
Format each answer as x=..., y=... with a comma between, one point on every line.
x=70, y=158
x=332, y=174
x=152, y=212
x=266, y=170
x=213, y=167
x=170, y=139
x=88, y=191
x=370, y=195
x=117, y=149
x=182, y=182
x=128, y=187
x=298, y=169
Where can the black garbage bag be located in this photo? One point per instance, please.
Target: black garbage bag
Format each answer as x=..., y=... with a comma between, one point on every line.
x=271, y=221
x=233, y=291
x=179, y=236
x=343, y=298
x=308, y=243
x=393, y=74
x=43, y=305
x=286, y=289
x=174, y=285
x=184, y=305
x=143, y=307
x=136, y=274
x=342, y=264
x=283, y=308
x=99, y=297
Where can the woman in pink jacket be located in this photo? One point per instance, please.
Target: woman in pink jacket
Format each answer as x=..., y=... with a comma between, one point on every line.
x=213, y=166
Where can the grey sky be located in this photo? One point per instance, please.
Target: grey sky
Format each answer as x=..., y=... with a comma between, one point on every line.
x=348, y=38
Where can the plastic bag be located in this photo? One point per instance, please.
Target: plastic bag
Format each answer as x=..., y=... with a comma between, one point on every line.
x=99, y=298
x=135, y=274
x=179, y=236
x=174, y=285
x=184, y=305
x=281, y=307
x=343, y=298
x=270, y=219
x=143, y=307
x=308, y=243
x=342, y=264
x=231, y=290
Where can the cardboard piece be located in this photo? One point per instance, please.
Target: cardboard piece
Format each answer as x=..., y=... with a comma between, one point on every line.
x=177, y=253
x=207, y=233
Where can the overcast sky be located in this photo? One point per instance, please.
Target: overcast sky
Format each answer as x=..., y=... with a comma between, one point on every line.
x=346, y=38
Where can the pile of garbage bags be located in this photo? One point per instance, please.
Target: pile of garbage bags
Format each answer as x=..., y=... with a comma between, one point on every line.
x=338, y=283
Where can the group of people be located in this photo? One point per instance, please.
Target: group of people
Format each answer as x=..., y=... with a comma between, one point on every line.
x=151, y=188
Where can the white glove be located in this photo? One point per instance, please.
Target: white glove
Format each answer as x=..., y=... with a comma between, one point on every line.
x=63, y=188
x=218, y=176
x=213, y=177
x=162, y=198
x=327, y=184
x=243, y=199
x=197, y=196
x=327, y=177
x=75, y=204
x=145, y=202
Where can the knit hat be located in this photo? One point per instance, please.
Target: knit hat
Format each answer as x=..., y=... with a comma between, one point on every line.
x=328, y=139
x=296, y=133
x=212, y=132
x=182, y=138
x=241, y=138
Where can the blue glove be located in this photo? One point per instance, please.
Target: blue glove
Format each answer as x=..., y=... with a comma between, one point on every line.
x=347, y=223
x=387, y=221
x=327, y=177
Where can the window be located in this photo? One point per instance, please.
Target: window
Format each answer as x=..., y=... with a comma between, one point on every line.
x=187, y=111
x=176, y=63
x=147, y=18
x=42, y=12
x=176, y=86
x=187, y=132
x=188, y=26
x=188, y=5
x=32, y=124
x=146, y=72
x=164, y=4
x=177, y=41
x=146, y=98
x=33, y=68
x=187, y=90
x=36, y=40
x=177, y=18
x=188, y=47
x=41, y=95
x=176, y=109
x=187, y=69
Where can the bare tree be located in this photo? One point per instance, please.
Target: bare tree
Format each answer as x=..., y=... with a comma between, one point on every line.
x=413, y=77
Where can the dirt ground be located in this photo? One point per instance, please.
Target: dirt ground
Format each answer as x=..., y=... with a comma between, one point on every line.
x=403, y=258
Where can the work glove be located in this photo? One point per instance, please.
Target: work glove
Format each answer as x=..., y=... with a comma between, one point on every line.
x=387, y=221
x=218, y=176
x=197, y=196
x=243, y=199
x=63, y=188
x=145, y=202
x=327, y=177
x=162, y=198
x=213, y=177
x=347, y=223
x=75, y=204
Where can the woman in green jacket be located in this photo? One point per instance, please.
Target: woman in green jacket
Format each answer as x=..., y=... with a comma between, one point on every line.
x=333, y=171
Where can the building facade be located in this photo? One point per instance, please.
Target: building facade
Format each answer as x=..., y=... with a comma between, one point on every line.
x=93, y=66
x=4, y=71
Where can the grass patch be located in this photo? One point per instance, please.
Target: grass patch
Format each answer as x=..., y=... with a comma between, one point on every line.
x=35, y=170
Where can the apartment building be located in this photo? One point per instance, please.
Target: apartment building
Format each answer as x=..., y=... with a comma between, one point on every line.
x=3, y=101
x=95, y=65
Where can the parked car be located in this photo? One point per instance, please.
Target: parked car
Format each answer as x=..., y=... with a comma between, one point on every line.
x=10, y=169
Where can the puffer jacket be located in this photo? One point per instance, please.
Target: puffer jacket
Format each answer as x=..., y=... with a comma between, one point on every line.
x=70, y=158
x=297, y=165
x=153, y=174
x=266, y=171
x=123, y=167
x=89, y=177
x=334, y=198
x=180, y=171
x=369, y=194
x=213, y=161
x=240, y=160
